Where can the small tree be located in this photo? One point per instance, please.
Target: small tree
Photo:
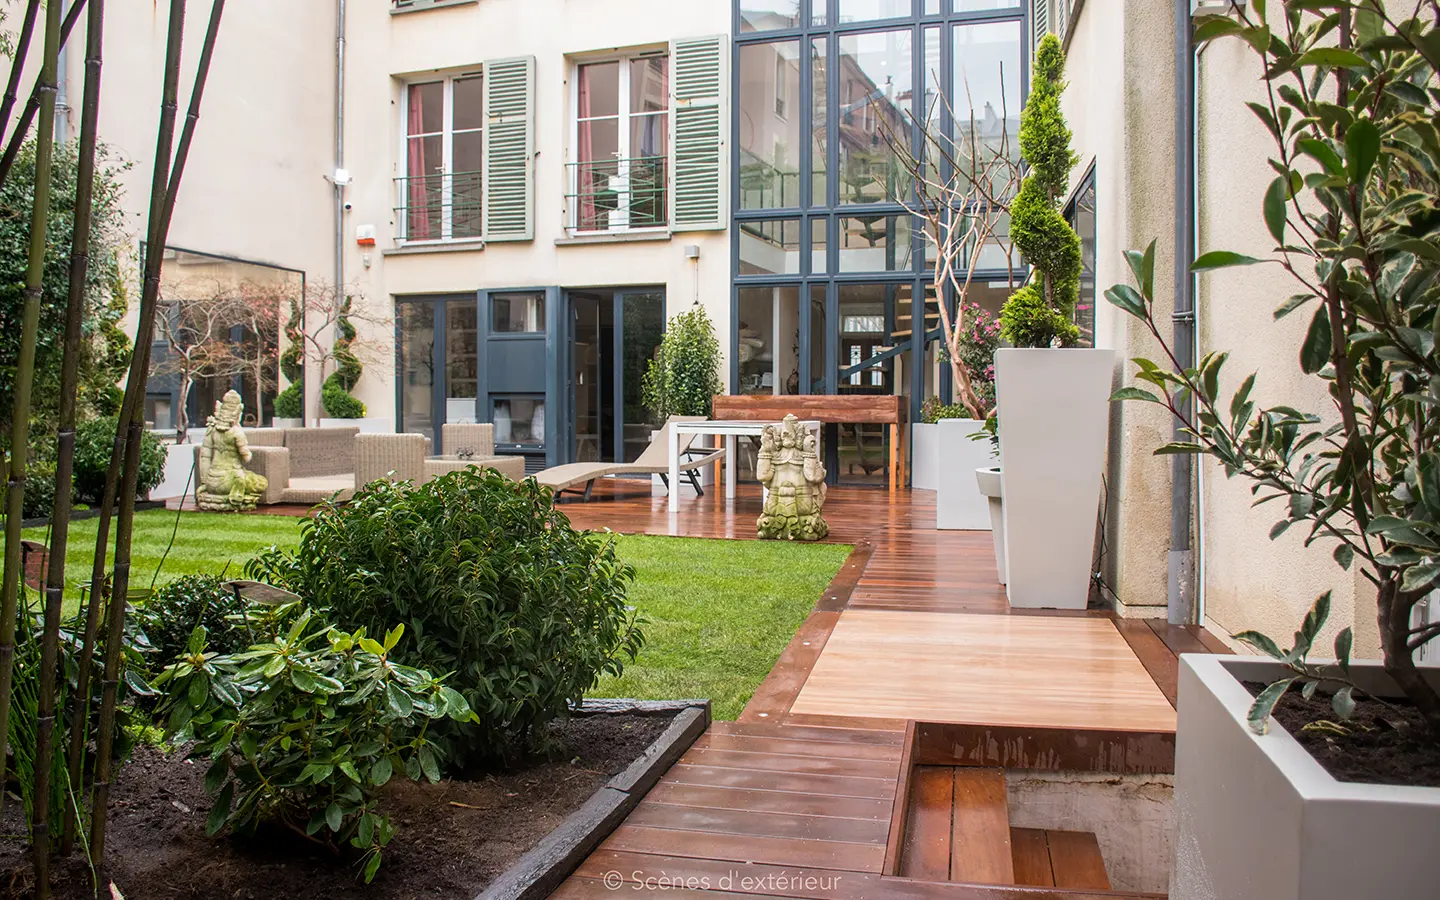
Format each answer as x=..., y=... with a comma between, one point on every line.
x=1350, y=104
x=685, y=374
x=963, y=191
x=1042, y=312
x=196, y=326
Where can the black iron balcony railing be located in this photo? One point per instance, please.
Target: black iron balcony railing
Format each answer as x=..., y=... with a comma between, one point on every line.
x=438, y=207
x=617, y=194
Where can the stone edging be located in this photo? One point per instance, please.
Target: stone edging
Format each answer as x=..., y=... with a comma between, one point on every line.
x=560, y=852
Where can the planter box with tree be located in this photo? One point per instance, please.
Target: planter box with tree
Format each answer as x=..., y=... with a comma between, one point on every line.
x=684, y=375
x=1051, y=396
x=1351, y=107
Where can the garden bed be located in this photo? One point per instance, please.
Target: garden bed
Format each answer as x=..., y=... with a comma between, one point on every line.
x=453, y=839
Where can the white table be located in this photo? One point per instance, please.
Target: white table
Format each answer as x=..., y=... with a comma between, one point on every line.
x=728, y=429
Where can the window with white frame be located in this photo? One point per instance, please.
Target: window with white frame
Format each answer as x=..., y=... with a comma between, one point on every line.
x=440, y=190
x=619, y=178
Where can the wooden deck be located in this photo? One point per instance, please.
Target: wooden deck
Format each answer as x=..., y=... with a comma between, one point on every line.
x=796, y=798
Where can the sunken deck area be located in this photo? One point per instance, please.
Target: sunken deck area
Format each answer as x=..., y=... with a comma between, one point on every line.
x=820, y=791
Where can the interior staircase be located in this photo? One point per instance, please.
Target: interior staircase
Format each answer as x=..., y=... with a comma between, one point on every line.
x=957, y=828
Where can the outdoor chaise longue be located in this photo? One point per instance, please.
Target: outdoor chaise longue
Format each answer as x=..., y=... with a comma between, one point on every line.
x=650, y=462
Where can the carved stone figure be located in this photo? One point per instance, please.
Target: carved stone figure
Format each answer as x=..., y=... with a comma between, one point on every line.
x=789, y=466
x=224, y=483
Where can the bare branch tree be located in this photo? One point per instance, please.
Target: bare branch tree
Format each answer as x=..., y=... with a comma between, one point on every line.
x=196, y=324
x=963, y=188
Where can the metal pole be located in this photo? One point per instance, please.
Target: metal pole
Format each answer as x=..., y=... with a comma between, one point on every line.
x=1181, y=584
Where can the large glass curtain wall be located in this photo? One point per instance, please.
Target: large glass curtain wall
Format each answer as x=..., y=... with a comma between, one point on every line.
x=832, y=293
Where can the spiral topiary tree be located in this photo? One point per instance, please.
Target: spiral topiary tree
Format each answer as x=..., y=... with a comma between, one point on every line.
x=290, y=403
x=335, y=392
x=1041, y=313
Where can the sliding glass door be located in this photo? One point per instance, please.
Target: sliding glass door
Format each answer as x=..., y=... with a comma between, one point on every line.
x=613, y=336
x=437, y=364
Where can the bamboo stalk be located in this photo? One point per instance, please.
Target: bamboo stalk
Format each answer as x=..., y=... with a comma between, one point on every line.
x=25, y=372
x=163, y=199
x=65, y=444
x=32, y=106
x=17, y=63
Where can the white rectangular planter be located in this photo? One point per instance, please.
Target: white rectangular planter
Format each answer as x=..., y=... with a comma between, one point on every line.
x=959, y=505
x=179, y=462
x=366, y=426
x=1259, y=819
x=1054, y=415
x=925, y=456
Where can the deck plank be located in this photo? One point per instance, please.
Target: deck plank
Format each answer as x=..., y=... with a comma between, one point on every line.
x=980, y=831
x=1076, y=861
x=844, y=856
x=925, y=853
x=1031, y=855
x=759, y=824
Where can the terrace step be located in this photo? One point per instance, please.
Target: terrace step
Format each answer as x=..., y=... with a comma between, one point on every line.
x=958, y=826
x=1062, y=859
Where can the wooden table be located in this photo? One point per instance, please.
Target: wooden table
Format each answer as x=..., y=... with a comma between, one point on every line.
x=847, y=409
x=729, y=430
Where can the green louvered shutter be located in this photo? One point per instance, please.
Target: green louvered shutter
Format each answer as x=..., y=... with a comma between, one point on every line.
x=1040, y=18
x=699, y=197
x=509, y=190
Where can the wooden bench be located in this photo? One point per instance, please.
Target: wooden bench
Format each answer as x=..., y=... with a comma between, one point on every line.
x=851, y=409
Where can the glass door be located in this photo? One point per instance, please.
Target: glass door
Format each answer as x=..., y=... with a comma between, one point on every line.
x=415, y=341
x=641, y=315
x=437, y=358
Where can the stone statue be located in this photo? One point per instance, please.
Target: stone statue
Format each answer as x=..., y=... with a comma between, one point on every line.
x=224, y=484
x=789, y=466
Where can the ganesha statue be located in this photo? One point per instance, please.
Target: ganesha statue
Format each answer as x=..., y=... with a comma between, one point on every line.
x=223, y=482
x=789, y=466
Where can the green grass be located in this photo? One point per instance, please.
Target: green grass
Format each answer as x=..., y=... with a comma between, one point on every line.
x=720, y=612
x=205, y=543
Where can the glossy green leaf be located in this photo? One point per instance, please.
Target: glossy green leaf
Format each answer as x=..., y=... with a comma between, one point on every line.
x=220, y=810
x=1261, y=642
x=1134, y=393
x=1222, y=259
x=1332, y=56
x=334, y=816
x=1362, y=148
x=1343, y=702
x=1344, y=644
x=1276, y=208
x=1315, y=351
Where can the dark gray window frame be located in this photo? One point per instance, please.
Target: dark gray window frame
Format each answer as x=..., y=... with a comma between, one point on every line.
x=832, y=210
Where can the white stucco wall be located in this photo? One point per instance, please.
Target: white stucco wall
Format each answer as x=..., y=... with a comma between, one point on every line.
x=386, y=50
x=1119, y=105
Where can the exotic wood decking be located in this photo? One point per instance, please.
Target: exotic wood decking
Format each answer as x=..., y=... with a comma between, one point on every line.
x=798, y=798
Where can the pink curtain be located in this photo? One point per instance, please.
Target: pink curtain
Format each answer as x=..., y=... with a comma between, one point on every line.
x=417, y=225
x=585, y=183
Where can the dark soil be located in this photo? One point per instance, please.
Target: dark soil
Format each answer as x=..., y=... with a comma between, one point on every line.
x=1383, y=743
x=451, y=839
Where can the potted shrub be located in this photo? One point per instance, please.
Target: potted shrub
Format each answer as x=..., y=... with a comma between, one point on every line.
x=979, y=337
x=1051, y=395
x=1261, y=811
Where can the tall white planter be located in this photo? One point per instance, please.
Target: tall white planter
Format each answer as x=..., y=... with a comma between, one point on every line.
x=925, y=456
x=959, y=505
x=1054, y=419
x=1257, y=818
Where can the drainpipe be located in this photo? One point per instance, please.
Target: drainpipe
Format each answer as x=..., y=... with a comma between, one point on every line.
x=339, y=179
x=1181, y=605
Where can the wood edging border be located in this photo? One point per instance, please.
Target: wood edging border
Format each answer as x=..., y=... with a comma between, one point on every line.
x=544, y=866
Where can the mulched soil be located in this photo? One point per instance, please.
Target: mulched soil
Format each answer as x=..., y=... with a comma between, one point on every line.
x=451, y=839
x=1383, y=743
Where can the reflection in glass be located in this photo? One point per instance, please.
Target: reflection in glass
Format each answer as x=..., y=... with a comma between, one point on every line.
x=986, y=93
x=417, y=368
x=875, y=92
x=770, y=247
x=819, y=111
x=770, y=125
x=516, y=313
x=874, y=318
x=767, y=344
x=875, y=243
x=866, y=10
x=818, y=332
x=519, y=420
x=644, y=324
x=768, y=15
x=1081, y=215
x=462, y=358
x=817, y=246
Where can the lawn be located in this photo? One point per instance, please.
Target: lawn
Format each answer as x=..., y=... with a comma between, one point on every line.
x=719, y=612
